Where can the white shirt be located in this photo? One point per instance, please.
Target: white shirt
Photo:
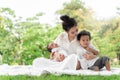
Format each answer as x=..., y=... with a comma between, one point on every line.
x=63, y=41
x=85, y=63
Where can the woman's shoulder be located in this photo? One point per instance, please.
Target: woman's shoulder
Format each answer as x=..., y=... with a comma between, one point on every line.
x=62, y=35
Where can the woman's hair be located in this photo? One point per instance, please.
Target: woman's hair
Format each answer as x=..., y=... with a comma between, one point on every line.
x=68, y=22
x=83, y=33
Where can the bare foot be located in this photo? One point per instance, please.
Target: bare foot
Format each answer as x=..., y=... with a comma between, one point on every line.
x=95, y=68
x=107, y=65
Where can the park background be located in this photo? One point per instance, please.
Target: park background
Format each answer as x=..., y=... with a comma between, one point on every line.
x=22, y=39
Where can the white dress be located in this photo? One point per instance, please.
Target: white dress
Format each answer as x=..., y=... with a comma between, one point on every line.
x=62, y=41
x=60, y=50
x=69, y=63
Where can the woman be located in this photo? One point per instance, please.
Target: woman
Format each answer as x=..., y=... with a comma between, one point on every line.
x=67, y=39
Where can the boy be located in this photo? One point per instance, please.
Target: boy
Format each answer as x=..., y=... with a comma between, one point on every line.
x=86, y=50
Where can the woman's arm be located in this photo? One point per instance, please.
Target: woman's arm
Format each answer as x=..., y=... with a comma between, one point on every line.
x=95, y=52
x=92, y=49
x=52, y=55
x=59, y=38
x=91, y=54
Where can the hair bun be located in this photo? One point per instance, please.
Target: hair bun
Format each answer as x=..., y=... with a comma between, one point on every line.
x=65, y=18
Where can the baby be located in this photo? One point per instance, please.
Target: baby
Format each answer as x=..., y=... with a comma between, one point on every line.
x=56, y=53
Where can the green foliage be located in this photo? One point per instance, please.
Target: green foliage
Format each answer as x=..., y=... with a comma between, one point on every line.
x=24, y=41
x=73, y=5
x=83, y=15
x=35, y=43
x=39, y=14
x=7, y=11
x=107, y=39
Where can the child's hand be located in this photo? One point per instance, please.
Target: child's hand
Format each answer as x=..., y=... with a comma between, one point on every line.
x=86, y=56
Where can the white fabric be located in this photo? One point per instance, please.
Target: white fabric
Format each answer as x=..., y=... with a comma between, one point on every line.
x=83, y=62
x=62, y=41
x=46, y=66
x=60, y=50
x=69, y=62
x=31, y=70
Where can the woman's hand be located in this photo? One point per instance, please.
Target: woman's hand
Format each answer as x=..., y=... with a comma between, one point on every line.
x=95, y=52
x=52, y=55
x=89, y=56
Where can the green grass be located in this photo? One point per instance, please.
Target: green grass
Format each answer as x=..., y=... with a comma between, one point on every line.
x=117, y=66
x=62, y=77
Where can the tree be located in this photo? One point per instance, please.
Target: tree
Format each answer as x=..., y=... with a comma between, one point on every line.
x=77, y=9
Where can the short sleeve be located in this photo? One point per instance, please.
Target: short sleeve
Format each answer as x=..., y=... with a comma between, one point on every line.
x=59, y=38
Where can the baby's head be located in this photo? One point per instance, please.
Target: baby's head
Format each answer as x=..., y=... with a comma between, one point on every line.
x=51, y=46
x=84, y=38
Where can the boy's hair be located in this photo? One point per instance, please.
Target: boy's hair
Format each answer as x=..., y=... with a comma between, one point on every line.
x=49, y=49
x=83, y=33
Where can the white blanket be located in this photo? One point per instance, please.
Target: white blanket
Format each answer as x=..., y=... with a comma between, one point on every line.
x=34, y=71
x=45, y=66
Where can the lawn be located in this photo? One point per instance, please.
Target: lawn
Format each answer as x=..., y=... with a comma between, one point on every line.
x=62, y=77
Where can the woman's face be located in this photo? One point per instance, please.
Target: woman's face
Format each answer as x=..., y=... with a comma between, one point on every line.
x=73, y=31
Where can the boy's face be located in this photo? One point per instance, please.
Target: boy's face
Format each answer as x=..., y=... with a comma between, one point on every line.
x=84, y=41
x=52, y=45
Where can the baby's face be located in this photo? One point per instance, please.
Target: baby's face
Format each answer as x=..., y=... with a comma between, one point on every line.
x=84, y=41
x=59, y=57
